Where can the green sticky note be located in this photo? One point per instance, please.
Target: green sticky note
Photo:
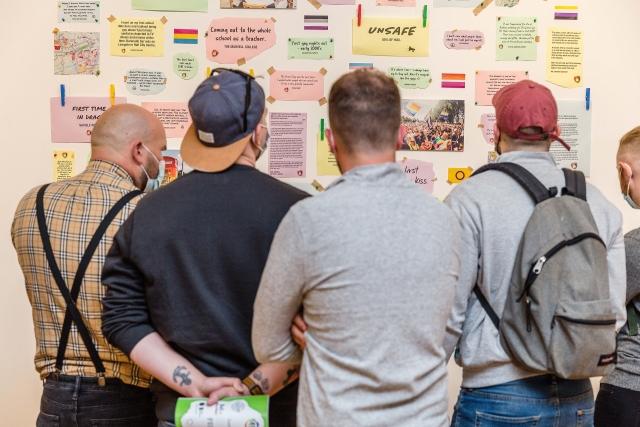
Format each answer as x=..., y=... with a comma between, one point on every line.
x=249, y=411
x=410, y=77
x=172, y=5
x=311, y=48
x=516, y=38
x=185, y=65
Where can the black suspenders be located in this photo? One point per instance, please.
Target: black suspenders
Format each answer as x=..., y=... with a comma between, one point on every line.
x=70, y=297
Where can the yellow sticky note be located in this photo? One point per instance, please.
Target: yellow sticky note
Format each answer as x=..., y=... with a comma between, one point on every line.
x=327, y=164
x=565, y=54
x=137, y=37
x=63, y=164
x=457, y=175
x=390, y=37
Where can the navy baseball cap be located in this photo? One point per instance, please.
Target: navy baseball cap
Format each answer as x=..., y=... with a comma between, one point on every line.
x=226, y=108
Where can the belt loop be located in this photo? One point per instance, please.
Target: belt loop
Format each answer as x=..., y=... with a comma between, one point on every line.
x=102, y=381
x=76, y=389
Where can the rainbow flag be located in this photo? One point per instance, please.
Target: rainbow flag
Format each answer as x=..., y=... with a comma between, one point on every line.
x=453, y=81
x=185, y=36
x=413, y=108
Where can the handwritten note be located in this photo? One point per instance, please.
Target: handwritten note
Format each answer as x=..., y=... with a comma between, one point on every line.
x=420, y=173
x=310, y=48
x=516, y=39
x=145, y=82
x=174, y=116
x=79, y=12
x=296, y=85
x=137, y=37
x=463, y=39
x=237, y=40
x=287, y=149
x=565, y=54
x=487, y=123
x=488, y=83
x=411, y=78
x=75, y=121
x=390, y=36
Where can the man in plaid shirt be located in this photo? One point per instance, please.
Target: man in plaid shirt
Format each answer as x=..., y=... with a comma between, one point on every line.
x=87, y=382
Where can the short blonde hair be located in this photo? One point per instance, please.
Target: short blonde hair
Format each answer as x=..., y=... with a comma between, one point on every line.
x=630, y=142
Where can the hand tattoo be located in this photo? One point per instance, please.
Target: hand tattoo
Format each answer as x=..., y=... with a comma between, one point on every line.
x=263, y=381
x=181, y=373
x=290, y=374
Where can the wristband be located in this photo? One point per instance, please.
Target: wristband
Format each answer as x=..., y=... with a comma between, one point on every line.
x=254, y=388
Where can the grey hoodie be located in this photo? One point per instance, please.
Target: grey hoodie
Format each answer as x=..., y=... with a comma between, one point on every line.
x=493, y=211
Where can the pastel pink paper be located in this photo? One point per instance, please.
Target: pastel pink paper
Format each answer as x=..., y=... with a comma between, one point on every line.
x=463, y=39
x=65, y=124
x=221, y=52
x=297, y=85
x=338, y=2
x=488, y=121
x=180, y=110
x=490, y=82
x=419, y=172
x=397, y=3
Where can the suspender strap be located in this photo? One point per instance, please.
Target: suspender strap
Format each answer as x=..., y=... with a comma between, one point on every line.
x=531, y=184
x=487, y=307
x=72, y=312
x=632, y=319
x=575, y=184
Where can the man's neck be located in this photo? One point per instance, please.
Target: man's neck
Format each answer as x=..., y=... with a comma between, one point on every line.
x=356, y=160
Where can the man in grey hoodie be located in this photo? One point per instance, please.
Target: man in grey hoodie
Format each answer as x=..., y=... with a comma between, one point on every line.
x=493, y=211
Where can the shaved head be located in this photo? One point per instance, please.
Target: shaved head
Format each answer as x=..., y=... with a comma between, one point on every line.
x=121, y=124
x=629, y=149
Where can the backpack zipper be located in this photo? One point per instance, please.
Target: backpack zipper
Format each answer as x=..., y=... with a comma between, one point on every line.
x=536, y=270
x=586, y=322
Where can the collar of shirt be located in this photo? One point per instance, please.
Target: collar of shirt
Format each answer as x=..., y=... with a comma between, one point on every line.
x=527, y=156
x=377, y=174
x=98, y=170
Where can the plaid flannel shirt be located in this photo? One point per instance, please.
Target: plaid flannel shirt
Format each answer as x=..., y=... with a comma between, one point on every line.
x=74, y=208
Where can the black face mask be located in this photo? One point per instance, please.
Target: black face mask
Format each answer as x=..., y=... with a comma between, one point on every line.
x=247, y=97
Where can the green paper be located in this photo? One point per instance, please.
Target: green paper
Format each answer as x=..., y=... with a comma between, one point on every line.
x=172, y=5
x=311, y=48
x=411, y=78
x=185, y=65
x=516, y=38
x=247, y=411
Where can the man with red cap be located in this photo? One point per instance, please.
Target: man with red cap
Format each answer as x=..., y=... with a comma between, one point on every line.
x=493, y=210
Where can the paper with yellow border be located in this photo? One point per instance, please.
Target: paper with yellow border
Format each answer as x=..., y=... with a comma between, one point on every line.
x=382, y=36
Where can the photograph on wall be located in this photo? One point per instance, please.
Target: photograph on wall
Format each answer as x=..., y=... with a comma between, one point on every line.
x=432, y=125
x=258, y=4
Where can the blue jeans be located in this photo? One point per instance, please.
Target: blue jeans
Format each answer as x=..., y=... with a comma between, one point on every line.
x=543, y=401
x=80, y=402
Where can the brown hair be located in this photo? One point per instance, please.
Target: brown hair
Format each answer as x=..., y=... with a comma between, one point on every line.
x=631, y=141
x=364, y=110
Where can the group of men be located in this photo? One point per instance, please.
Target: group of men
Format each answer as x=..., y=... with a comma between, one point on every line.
x=228, y=282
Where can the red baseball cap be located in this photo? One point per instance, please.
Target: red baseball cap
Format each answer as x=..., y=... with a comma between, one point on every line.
x=527, y=104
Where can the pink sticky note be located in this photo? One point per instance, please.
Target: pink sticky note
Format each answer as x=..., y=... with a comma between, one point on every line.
x=230, y=40
x=297, y=85
x=487, y=123
x=74, y=122
x=463, y=39
x=174, y=116
x=420, y=173
x=488, y=83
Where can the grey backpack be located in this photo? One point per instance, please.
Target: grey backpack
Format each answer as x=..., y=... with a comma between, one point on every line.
x=558, y=318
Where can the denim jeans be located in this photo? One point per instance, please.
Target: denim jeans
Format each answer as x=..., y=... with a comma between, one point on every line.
x=80, y=402
x=543, y=401
x=617, y=406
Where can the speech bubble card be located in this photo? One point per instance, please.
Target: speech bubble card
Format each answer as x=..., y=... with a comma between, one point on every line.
x=145, y=82
x=174, y=116
x=237, y=40
x=463, y=39
x=185, y=65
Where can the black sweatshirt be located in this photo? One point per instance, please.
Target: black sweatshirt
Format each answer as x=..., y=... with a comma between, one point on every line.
x=187, y=264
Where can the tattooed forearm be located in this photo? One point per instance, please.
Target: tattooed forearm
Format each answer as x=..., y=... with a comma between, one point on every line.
x=262, y=380
x=182, y=376
x=290, y=374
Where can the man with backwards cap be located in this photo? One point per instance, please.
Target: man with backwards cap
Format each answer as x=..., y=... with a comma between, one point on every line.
x=184, y=269
x=493, y=211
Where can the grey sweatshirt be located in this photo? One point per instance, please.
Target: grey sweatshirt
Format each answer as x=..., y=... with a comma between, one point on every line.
x=627, y=371
x=374, y=262
x=493, y=211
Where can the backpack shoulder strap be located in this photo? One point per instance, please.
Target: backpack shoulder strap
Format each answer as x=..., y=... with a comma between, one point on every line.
x=495, y=319
x=575, y=184
x=531, y=184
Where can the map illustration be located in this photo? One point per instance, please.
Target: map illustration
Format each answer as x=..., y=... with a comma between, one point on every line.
x=76, y=53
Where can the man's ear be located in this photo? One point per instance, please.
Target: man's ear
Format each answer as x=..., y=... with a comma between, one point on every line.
x=399, y=139
x=137, y=152
x=330, y=141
